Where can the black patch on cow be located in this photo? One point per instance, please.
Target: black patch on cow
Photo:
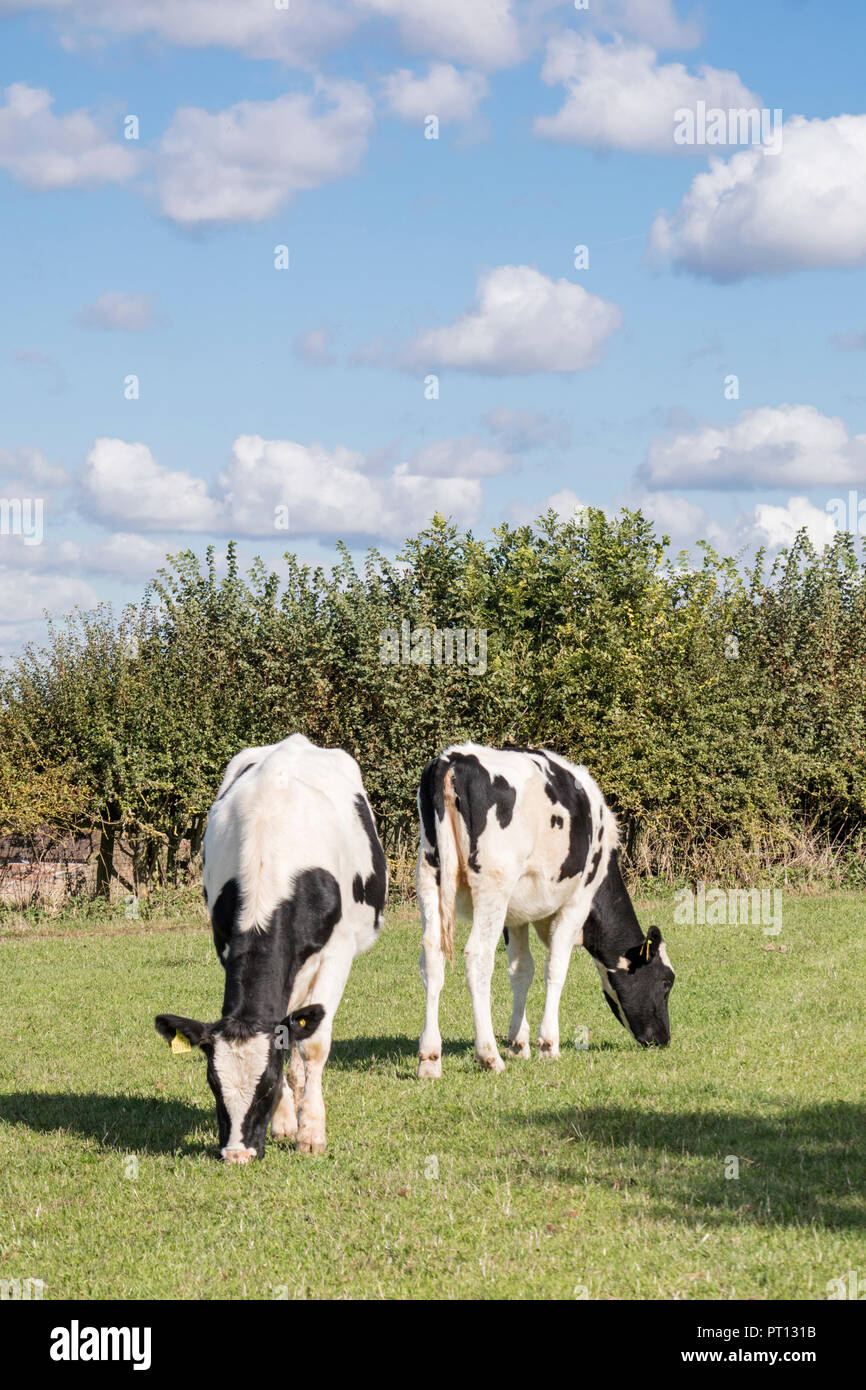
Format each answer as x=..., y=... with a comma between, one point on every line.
x=475, y=793
x=238, y=775
x=222, y=918
x=204, y=894
x=431, y=801
x=612, y=928
x=505, y=934
x=262, y=965
x=594, y=863
x=556, y=822
x=372, y=889
x=562, y=789
x=611, y=1005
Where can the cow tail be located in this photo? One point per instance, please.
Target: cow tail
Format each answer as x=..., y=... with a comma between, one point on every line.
x=449, y=868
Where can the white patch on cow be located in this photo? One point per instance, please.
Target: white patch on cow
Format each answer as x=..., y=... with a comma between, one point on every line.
x=239, y=1066
x=623, y=963
x=663, y=955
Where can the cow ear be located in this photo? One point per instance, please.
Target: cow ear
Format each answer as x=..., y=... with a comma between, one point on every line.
x=651, y=943
x=304, y=1022
x=183, y=1033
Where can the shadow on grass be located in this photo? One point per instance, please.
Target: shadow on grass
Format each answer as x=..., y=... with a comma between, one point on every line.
x=135, y=1124
x=796, y=1166
x=369, y=1054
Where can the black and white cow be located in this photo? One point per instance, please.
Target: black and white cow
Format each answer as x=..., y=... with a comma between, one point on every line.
x=516, y=836
x=295, y=882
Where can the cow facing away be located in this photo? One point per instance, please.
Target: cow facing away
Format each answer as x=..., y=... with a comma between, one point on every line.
x=516, y=836
x=295, y=883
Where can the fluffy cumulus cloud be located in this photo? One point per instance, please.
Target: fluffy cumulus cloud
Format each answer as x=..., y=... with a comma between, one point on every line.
x=296, y=33
x=245, y=163
x=329, y=492
x=126, y=313
x=23, y=471
x=27, y=602
x=47, y=152
x=760, y=213
x=444, y=92
x=124, y=485
x=483, y=34
x=655, y=21
x=778, y=526
x=774, y=446
x=522, y=322
x=618, y=95
x=274, y=487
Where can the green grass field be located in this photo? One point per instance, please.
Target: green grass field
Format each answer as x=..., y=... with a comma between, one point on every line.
x=602, y=1175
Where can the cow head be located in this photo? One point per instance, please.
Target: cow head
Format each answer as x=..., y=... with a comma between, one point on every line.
x=244, y=1070
x=637, y=988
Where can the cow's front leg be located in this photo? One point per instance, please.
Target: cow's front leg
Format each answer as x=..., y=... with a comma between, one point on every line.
x=488, y=917
x=432, y=965
x=284, y=1123
x=521, y=969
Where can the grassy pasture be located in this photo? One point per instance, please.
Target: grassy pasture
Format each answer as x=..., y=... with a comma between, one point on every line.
x=602, y=1175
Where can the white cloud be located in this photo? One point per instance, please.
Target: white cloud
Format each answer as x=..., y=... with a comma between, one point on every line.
x=123, y=555
x=468, y=457
x=245, y=163
x=620, y=97
x=297, y=34
x=124, y=484
x=48, y=152
x=128, y=313
x=483, y=33
x=655, y=21
x=773, y=446
x=566, y=503
x=23, y=470
x=523, y=322
x=444, y=92
x=24, y=602
x=330, y=493
x=522, y=430
x=767, y=214
x=779, y=525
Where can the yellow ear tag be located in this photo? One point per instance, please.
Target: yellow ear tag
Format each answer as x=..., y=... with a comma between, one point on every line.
x=180, y=1043
x=302, y=1023
x=645, y=949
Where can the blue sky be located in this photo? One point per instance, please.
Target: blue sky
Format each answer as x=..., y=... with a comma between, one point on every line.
x=301, y=392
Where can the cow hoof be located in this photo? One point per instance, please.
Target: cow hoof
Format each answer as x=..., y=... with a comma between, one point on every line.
x=548, y=1049
x=430, y=1069
x=519, y=1049
x=308, y=1144
x=494, y=1063
x=283, y=1131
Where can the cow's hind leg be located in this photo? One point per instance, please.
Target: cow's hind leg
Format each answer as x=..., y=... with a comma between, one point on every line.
x=488, y=919
x=432, y=965
x=521, y=969
x=565, y=929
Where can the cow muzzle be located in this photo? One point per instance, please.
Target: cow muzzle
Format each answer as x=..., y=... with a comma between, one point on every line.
x=241, y=1155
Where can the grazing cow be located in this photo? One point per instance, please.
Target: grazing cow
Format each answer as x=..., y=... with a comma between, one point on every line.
x=518, y=835
x=295, y=882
